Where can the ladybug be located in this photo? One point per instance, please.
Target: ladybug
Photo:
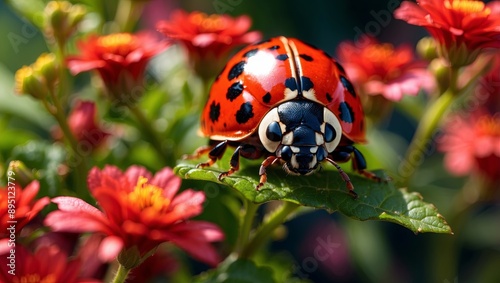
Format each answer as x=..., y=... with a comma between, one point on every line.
x=289, y=102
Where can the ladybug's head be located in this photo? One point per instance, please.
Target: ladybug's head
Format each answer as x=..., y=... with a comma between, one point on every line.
x=301, y=133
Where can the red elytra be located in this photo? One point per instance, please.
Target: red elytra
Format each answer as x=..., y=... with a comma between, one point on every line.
x=257, y=76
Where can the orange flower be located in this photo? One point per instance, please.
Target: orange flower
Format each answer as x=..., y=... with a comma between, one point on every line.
x=82, y=123
x=139, y=212
x=46, y=264
x=381, y=69
x=462, y=27
x=23, y=207
x=208, y=38
x=119, y=58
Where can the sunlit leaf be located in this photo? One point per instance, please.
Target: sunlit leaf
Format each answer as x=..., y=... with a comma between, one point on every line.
x=327, y=190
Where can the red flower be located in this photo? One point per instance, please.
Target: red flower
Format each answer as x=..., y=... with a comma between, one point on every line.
x=203, y=34
x=119, y=58
x=472, y=145
x=23, y=207
x=140, y=211
x=208, y=38
x=46, y=264
x=462, y=27
x=381, y=69
x=82, y=123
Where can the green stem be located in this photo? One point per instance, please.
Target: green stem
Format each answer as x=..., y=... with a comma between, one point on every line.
x=57, y=110
x=428, y=124
x=275, y=219
x=246, y=224
x=148, y=130
x=121, y=274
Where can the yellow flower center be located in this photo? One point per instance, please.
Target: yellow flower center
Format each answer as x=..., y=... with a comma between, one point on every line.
x=35, y=278
x=379, y=53
x=467, y=6
x=207, y=23
x=146, y=195
x=118, y=43
x=488, y=126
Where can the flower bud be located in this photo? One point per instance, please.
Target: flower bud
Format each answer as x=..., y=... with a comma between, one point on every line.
x=440, y=69
x=27, y=82
x=427, y=48
x=39, y=78
x=46, y=66
x=23, y=174
x=62, y=18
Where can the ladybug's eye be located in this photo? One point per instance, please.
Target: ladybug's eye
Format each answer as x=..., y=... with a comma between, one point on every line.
x=273, y=132
x=332, y=131
x=270, y=131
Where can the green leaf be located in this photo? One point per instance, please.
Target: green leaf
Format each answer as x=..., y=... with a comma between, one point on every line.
x=239, y=271
x=327, y=190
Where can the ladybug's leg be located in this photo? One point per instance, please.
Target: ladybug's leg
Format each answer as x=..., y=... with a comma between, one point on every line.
x=245, y=150
x=214, y=153
x=262, y=171
x=344, y=153
x=199, y=152
x=359, y=164
x=345, y=177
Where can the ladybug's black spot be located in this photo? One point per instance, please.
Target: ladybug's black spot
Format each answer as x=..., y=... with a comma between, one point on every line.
x=329, y=97
x=245, y=113
x=225, y=125
x=346, y=114
x=266, y=98
x=236, y=70
x=274, y=47
x=306, y=83
x=251, y=52
x=291, y=83
x=214, y=111
x=234, y=91
x=306, y=57
x=340, y=67
x=347, y=84
x=282, y=57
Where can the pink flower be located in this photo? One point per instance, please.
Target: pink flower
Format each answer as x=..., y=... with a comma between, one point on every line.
x=472, y=145
x=381, y=69
x=139, y=211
